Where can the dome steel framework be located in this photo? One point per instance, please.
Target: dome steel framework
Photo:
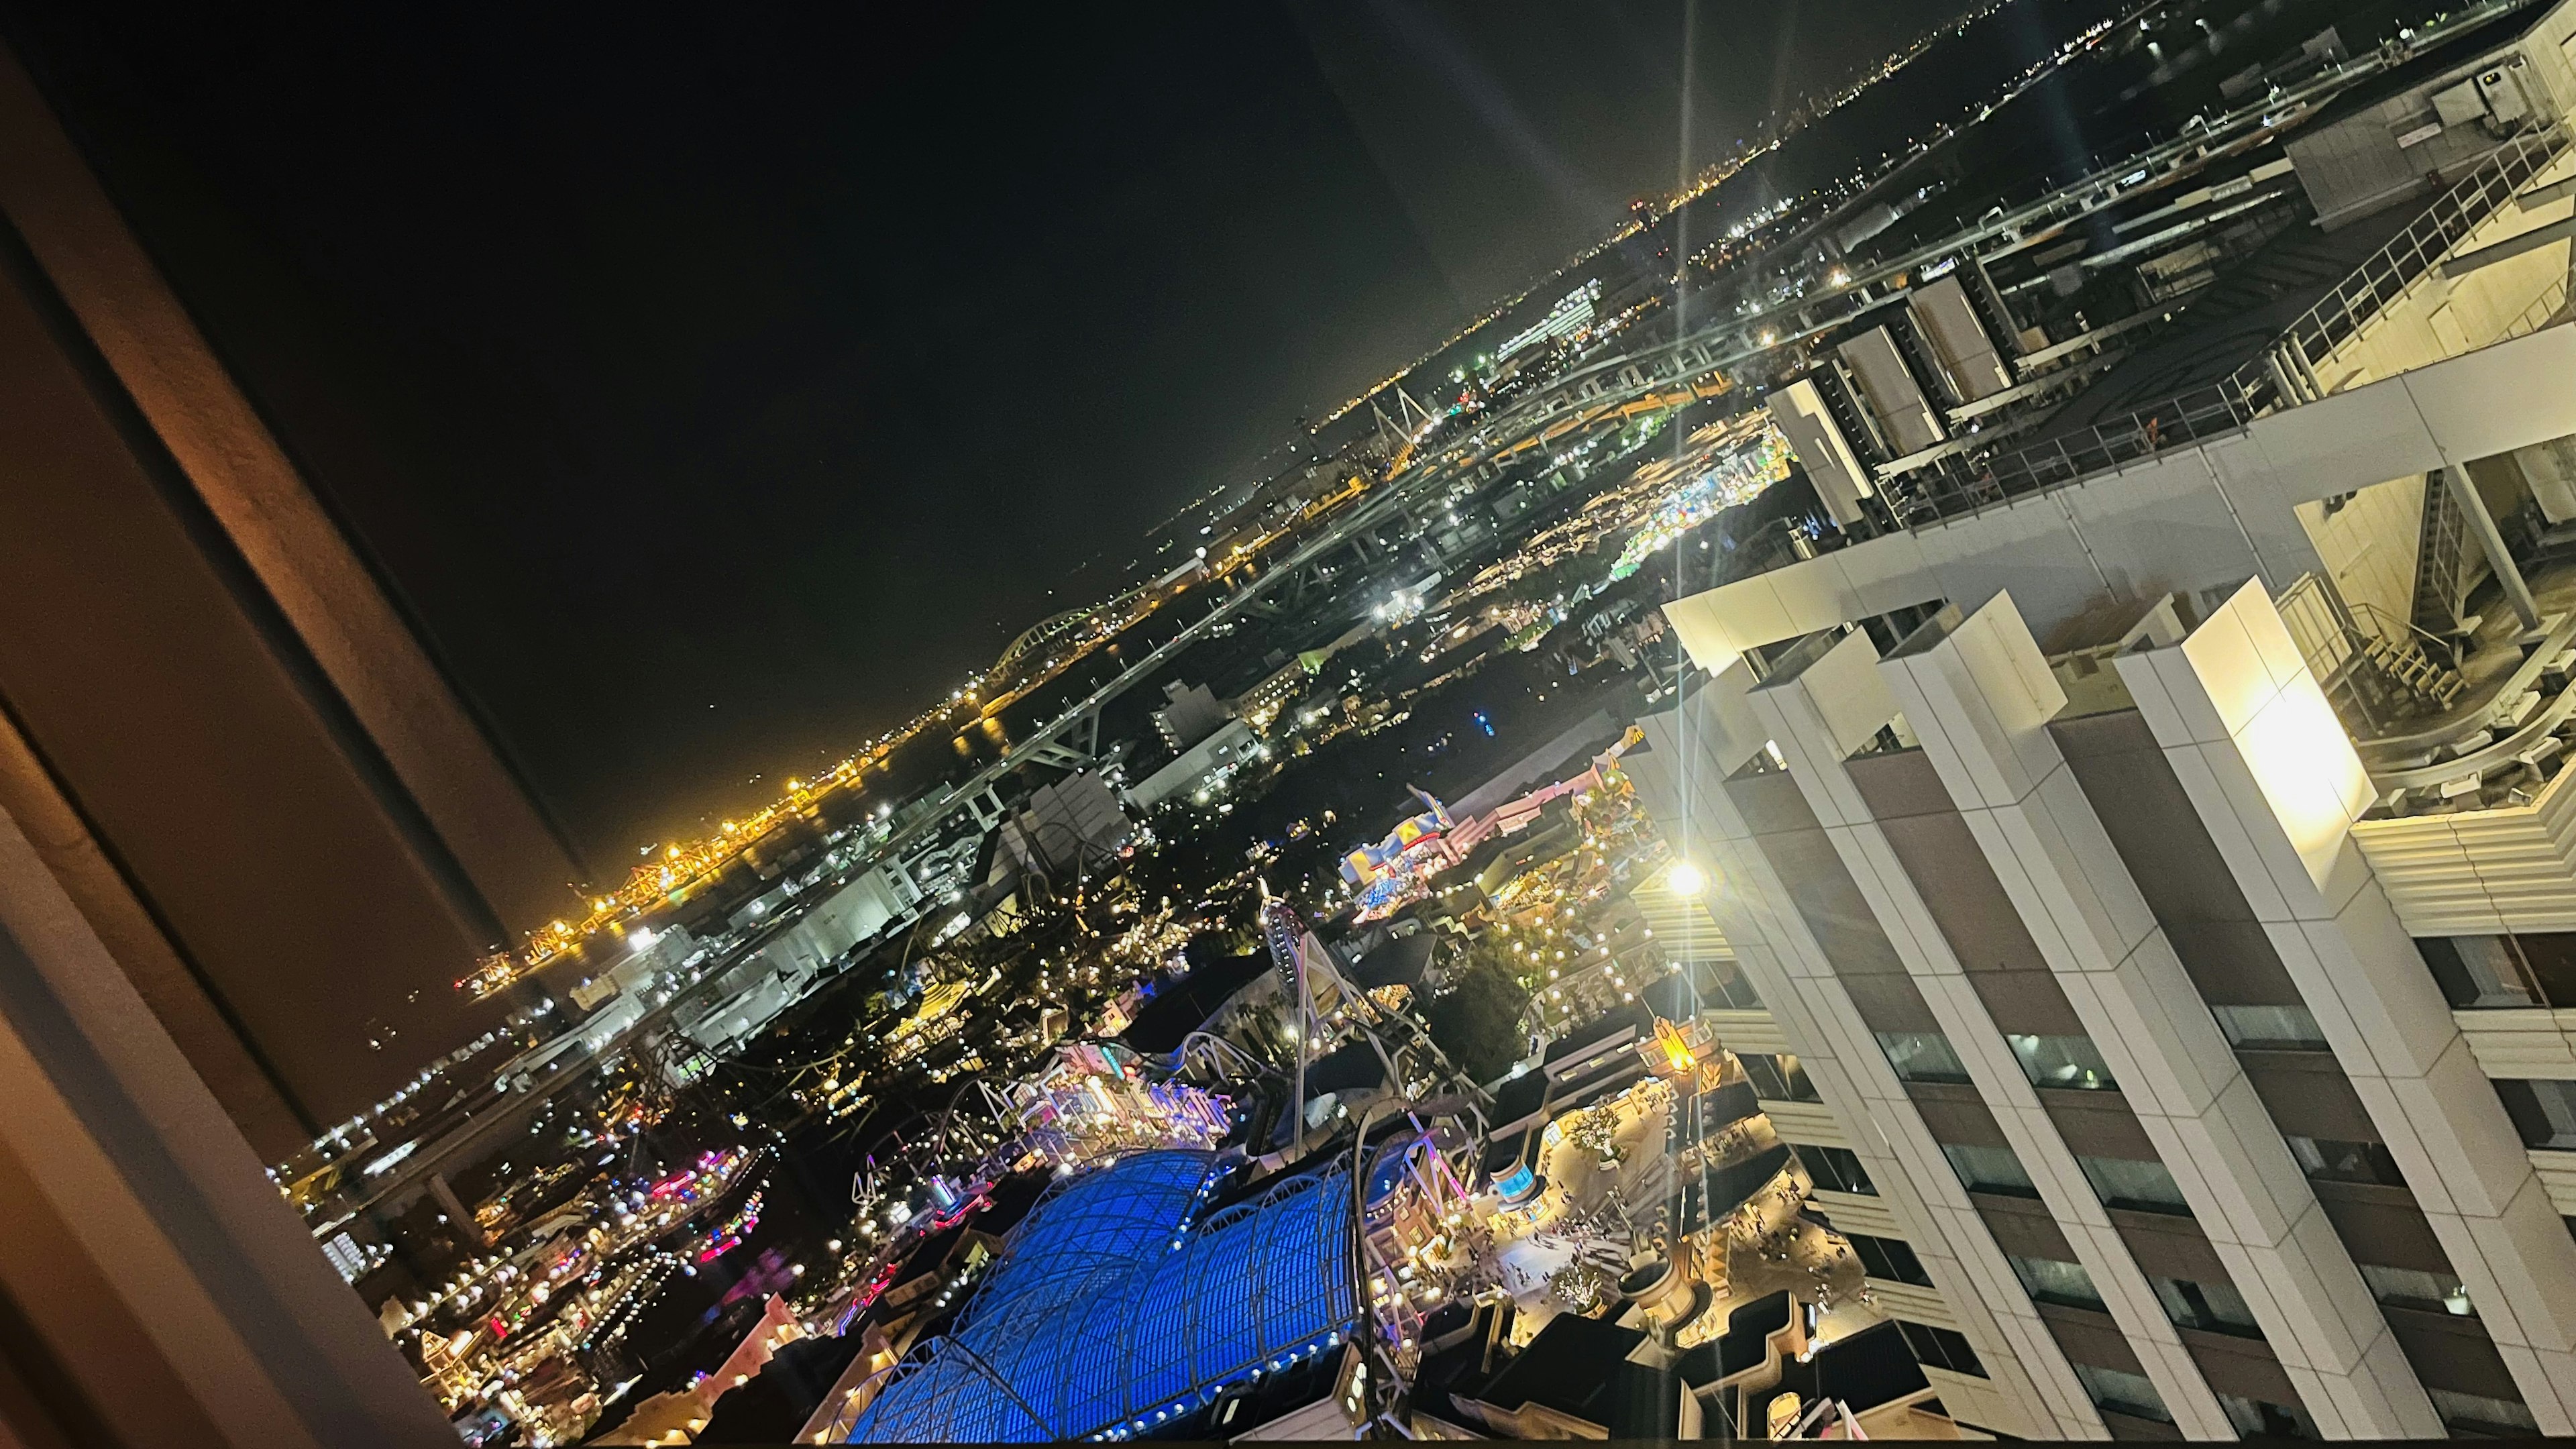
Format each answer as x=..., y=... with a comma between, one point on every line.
x=1114, y=1309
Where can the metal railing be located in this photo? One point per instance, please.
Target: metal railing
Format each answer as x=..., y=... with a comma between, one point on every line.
x=2381, y=668
x=1963, y=483
x=2552, y=300
x=2284, y=374
x=2323, y=331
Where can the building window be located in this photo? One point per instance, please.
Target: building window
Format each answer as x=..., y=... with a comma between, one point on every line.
x=2061, y=1061
x=2544, y=1111
x=1941, y=1348
x=2143, y=1186
x=1989, y=1169
x=1836, y=1169
x=2260, y=1417
x=1764, y=1073
x=2413, y=1288
x=2217, y=1307
x=1778, y=1078
x=1889, y=1258
x=1721, y=984
x=2479, y=972
x=2270, y=1028
x=1922, y=1056
x=2329, y=1159
x=2048, y=1281
x=1800, y=1089
x=2480, y=1415
x=2116, y=1392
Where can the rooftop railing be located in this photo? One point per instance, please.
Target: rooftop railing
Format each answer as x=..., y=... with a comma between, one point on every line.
x=2283, y=374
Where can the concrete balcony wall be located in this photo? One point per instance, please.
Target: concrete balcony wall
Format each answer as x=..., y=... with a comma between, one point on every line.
x=1809, y=1122
x=1913, y=1304
x=2480, y=872
x=1978, y=1401
x=1747, y=1031
x=2526, y=1042
x=2557, y=1173
x=1861, y=1212
x=2369, y=545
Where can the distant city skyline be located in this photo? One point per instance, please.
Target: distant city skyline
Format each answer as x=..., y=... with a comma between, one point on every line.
x=715, y=401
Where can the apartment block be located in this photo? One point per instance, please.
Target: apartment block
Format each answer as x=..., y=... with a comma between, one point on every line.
x=2148, y=845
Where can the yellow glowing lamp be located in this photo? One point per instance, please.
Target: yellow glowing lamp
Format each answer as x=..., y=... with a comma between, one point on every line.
x=1676, y=1051
x=1685, y=880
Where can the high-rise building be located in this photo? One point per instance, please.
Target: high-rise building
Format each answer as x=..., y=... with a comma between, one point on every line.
x=2154, y=848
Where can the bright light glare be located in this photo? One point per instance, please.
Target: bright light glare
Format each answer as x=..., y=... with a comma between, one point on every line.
x=1685, y=880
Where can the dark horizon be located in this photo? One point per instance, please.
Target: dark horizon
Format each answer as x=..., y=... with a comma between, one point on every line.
x=715, y=394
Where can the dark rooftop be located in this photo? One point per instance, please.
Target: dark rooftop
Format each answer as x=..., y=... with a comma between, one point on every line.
x=1182, y=1006
x=774, y=1405
x=2223, y=326
x=1579, y=1366
x=1608, y=1023
x=1868, y=1369
x=1401, y=962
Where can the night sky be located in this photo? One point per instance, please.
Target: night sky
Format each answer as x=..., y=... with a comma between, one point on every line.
x=716, y=385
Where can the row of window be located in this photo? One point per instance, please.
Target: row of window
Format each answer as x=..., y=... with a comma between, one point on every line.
x=2544, y=1111
x=2062, y=1061
x=2117, y=1181
x=2270, y=1028
x=2048, y=1061
x=2115, y=1391
x=1923, y=1056
x=2073, y=1063
x=2217, y=1307
x=2477, y=1414
x=2487, y=972
x=2332, y=1159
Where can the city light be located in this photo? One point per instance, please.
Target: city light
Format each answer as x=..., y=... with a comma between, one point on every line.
x=1572, y=1114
